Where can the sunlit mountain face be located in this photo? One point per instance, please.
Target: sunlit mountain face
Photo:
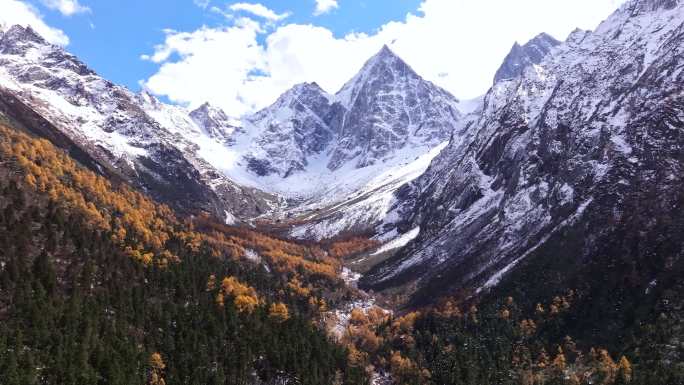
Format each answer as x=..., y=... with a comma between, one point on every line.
x=281, y=200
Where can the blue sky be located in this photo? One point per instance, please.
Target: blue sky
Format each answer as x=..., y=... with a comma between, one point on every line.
x=242, y=55
x=113, y=35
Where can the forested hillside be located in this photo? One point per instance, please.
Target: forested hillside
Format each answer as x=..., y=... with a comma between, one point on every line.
x=101, y=285
x=247, y=230
x=507, y=340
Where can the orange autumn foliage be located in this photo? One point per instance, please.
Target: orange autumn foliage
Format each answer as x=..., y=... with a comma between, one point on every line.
x=143, y=227
x=127, y=215
x=284, y=256
x=350, y=247
x=278, y=312
x=245, y=298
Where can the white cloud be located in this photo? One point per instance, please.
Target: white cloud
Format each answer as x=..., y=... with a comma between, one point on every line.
x=458, y=44
x=216, y=65
x=259, y=10
x=17, y=12
x=325, y=6
x=202, y=3
x=66, y=7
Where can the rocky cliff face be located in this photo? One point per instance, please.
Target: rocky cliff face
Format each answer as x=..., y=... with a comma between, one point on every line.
x=151, y=144
x=580, y=139
x=521, y=57
x=309, y=147
x=340, y=157
x=387, y=106
x=293, y=129
x=215, y=123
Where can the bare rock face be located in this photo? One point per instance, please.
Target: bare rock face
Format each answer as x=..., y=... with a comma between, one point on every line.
x=645, y=6
x=523, y=56
x=215, y=123
x=17, y=40
x=581, y=140
x=293, y=129
x=384, y=108
x=150, y=144
x=387, y=106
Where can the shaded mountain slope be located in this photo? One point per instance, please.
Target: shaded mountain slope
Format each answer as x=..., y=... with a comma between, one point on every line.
x=573, y=140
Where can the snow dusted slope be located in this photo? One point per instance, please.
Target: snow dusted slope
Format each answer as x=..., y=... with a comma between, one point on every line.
x=520, y=57
x=593, y=128
x=363, y=209
x=387, y=106
x=282, y=138
x=339, y=158
x=309, y=144
x=154, y=145
x=215, y=123
x=316, y=151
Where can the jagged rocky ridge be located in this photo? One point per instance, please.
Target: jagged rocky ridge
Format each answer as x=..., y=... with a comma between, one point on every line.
x=523, y=56
x=339, y=158
x=147, y=142
x=588, y=137
x=386, y=107
x=292, y=130
x=310, y=148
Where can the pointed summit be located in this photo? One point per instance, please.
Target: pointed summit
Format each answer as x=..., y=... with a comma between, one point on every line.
x=20, y=33
x=523, y=56
x=214, y=122
x=207, y=110
x=384, y=66
x=145, y=97
x=385, y=50
x=302, y=89
x=18, y=39
x=26, y=43
x=302, y=96
x=385, y=54
x=386, y=107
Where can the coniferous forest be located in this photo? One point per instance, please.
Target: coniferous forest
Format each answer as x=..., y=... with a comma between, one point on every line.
x=101, y=285
x=253, y=193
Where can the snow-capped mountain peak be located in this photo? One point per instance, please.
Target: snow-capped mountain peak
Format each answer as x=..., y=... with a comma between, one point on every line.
x=18, y=35
x=388, y=106
x=215, y=123
x=304, y=88
x=522, y=56
x=302, y=96
x=385, y=107
x=572, y=140
x=384, y=62
x=281, y=138
x=320, y=149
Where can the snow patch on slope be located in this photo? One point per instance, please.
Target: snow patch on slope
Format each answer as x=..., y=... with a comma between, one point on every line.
x=496, y=277
x=398, y=242
x=368, y=201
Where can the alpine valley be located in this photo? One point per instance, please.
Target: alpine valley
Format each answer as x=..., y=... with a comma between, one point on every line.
x=385, y=234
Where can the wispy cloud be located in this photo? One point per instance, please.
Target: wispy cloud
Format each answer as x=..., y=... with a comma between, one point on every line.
x=202, y=3
x=325, y=6
x=66, y=7
x=258, y=10
x=245, y=67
